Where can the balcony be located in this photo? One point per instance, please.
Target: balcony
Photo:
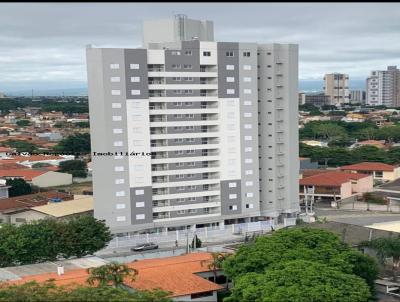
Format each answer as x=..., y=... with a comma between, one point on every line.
x=157, y=93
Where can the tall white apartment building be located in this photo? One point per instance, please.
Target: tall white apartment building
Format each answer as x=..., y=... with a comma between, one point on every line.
x=383, y=87
x=210, y=129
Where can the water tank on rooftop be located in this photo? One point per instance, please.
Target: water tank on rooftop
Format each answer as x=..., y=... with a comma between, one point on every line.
x=55, y=199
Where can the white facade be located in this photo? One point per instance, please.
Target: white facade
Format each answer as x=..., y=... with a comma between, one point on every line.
x=210, y=129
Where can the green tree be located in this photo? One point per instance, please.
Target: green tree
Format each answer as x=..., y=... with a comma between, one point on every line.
x=111, y=274
x=75, y=167
x=48, y=291
x=300, y=281
x=387, y=248
x=215, y=263
x=198, y=242
x=83, y=236
x=21, y=146
x=18, y=187
x=77, y=143
x=82, y=124
x=393, y=155
x=23, y=123
x=299, y=243
x=41, y=165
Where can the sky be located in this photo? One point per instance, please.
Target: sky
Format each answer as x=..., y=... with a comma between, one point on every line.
x=42, y=45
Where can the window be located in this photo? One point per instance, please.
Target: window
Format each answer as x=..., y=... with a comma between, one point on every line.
x=176, y=78
x=118, y=157
x=188, y=52
x=247, y=103
x=117, y=118
x=230, y=67
x=232, y=196
x=187, y=66
x=192, y=211
x=140, y=216
x=230, y=91
x=135, y=92
x=140, y=204
x=188, y=79
x=120, y=206
x=249, y=172
x=121, y=218
x=119, y=169
x=180, y=188
x=233, y=207
x=115, y=92
x=188, y=103
x=114, y=66
x=120, y=193
x=135, y=79
x=229, y=53
x=248, y=138
x=246, y=67
x=250, y=194
x=139, y=192
x=134, y=66
x=119, y=181
x=247, y=91
x=180, y=212
x=191, y=164
x=249, y=183
x=247, y=79
x=248, y=149
x=176, y=66
x=249, y=206
x=116, y=105
x=117, y=131
x=248, y=161
x=247, y=114
x=246, y=54
x=232, y=185
x=175, y=53
x=206, y=53
x=115, y=79
x=230, y=79
x=118, y=144
x=180, y=200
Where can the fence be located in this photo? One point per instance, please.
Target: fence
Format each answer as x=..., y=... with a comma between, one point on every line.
x=209, y=234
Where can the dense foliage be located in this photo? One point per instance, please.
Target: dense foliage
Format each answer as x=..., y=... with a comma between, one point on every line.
x=48, y=291
x=20, y=146
x=261, y=270
x=77, y=143
x=18, y=187
x=49, y=240
x=339, y=156
x=75, y=167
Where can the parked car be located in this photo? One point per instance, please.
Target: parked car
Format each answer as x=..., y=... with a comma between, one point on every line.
x=145, y=247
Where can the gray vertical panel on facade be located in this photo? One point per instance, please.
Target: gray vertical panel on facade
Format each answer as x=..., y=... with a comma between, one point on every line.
x=147, y=210
x=223, y=60
x=226, y=202
x=136, y=56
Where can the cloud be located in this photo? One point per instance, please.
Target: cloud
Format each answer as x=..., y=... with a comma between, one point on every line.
x=45, y=42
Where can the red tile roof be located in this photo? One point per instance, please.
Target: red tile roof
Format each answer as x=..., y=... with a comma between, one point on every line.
x=30, y=200
x=173, y=274
x=26, y=174
x=369, y=166
x=330, y=179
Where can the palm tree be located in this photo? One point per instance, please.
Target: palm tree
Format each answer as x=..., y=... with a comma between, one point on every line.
x=215, y=263
x=112, y=274
x=388, y=247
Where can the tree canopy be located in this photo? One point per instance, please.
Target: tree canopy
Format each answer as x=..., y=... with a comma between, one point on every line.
x=77, y=143
x=75, y=167
x=18, y=187
x=294, y=249
x=49, y=240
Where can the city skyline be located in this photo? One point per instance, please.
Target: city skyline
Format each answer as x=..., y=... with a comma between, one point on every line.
x=56, y=56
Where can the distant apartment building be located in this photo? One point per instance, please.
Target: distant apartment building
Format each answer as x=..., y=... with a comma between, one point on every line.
x=317, y=100
x=217, y=123
x=336, y=86
x=383, y=87
x=357, y=96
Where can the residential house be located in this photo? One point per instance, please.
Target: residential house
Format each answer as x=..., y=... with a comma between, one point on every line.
x=12, y=205
x=56, y=208
x=333, y=186
x=186, y=277
x=379, y=171
x=41, y=178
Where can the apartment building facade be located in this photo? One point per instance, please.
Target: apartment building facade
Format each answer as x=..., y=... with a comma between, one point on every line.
x=210, y=129
x=383, y=87
x=336, y=86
